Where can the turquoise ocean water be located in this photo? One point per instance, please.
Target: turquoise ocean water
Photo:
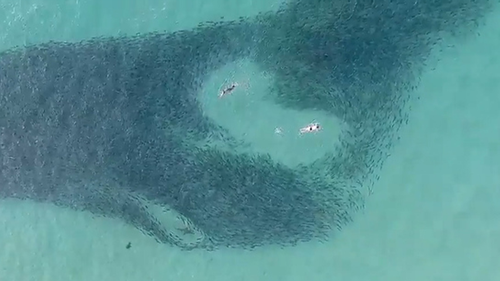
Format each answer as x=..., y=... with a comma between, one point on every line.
x=434, y=214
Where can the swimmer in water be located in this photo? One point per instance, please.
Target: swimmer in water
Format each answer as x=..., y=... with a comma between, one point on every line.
x=314, y=127
x=228, y=90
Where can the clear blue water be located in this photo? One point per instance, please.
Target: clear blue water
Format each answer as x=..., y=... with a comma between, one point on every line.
x=434, y=215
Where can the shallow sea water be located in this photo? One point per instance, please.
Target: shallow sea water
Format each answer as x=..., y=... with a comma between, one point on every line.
x=433, y=215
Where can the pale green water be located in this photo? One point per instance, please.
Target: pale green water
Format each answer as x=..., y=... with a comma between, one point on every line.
x=434, y=215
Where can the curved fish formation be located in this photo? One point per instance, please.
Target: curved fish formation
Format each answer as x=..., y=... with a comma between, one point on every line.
x=113, y=126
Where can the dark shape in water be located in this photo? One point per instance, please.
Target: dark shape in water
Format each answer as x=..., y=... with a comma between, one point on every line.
x=109, y=125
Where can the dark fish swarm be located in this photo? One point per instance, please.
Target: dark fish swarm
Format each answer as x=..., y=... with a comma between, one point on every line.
x=111, y=125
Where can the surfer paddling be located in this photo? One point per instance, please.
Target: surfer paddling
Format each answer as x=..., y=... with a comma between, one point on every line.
x=314, y=127
x=228, y=90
